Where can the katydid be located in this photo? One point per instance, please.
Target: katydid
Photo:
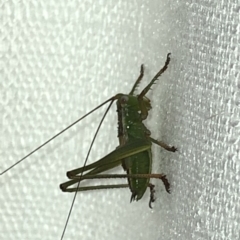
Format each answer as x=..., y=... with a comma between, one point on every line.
x=134, y=150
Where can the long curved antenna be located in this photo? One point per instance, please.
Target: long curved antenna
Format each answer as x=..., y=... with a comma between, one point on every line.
x=95, y=135
x=56, y=135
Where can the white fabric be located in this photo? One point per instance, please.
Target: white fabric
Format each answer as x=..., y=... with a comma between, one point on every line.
x=60, y=59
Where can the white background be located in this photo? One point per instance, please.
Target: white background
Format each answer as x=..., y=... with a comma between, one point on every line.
x=60, y=59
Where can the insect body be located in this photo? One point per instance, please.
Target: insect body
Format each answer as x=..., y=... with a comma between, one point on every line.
x=133, y=153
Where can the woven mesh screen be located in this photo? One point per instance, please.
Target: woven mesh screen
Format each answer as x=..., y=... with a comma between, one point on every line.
x=60, y=59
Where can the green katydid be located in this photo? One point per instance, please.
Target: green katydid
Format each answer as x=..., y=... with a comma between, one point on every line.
x=133, y=153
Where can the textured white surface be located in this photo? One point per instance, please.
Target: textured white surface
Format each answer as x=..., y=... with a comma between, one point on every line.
x=59, y=60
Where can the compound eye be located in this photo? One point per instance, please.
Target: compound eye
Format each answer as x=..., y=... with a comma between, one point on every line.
x=124, y=99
